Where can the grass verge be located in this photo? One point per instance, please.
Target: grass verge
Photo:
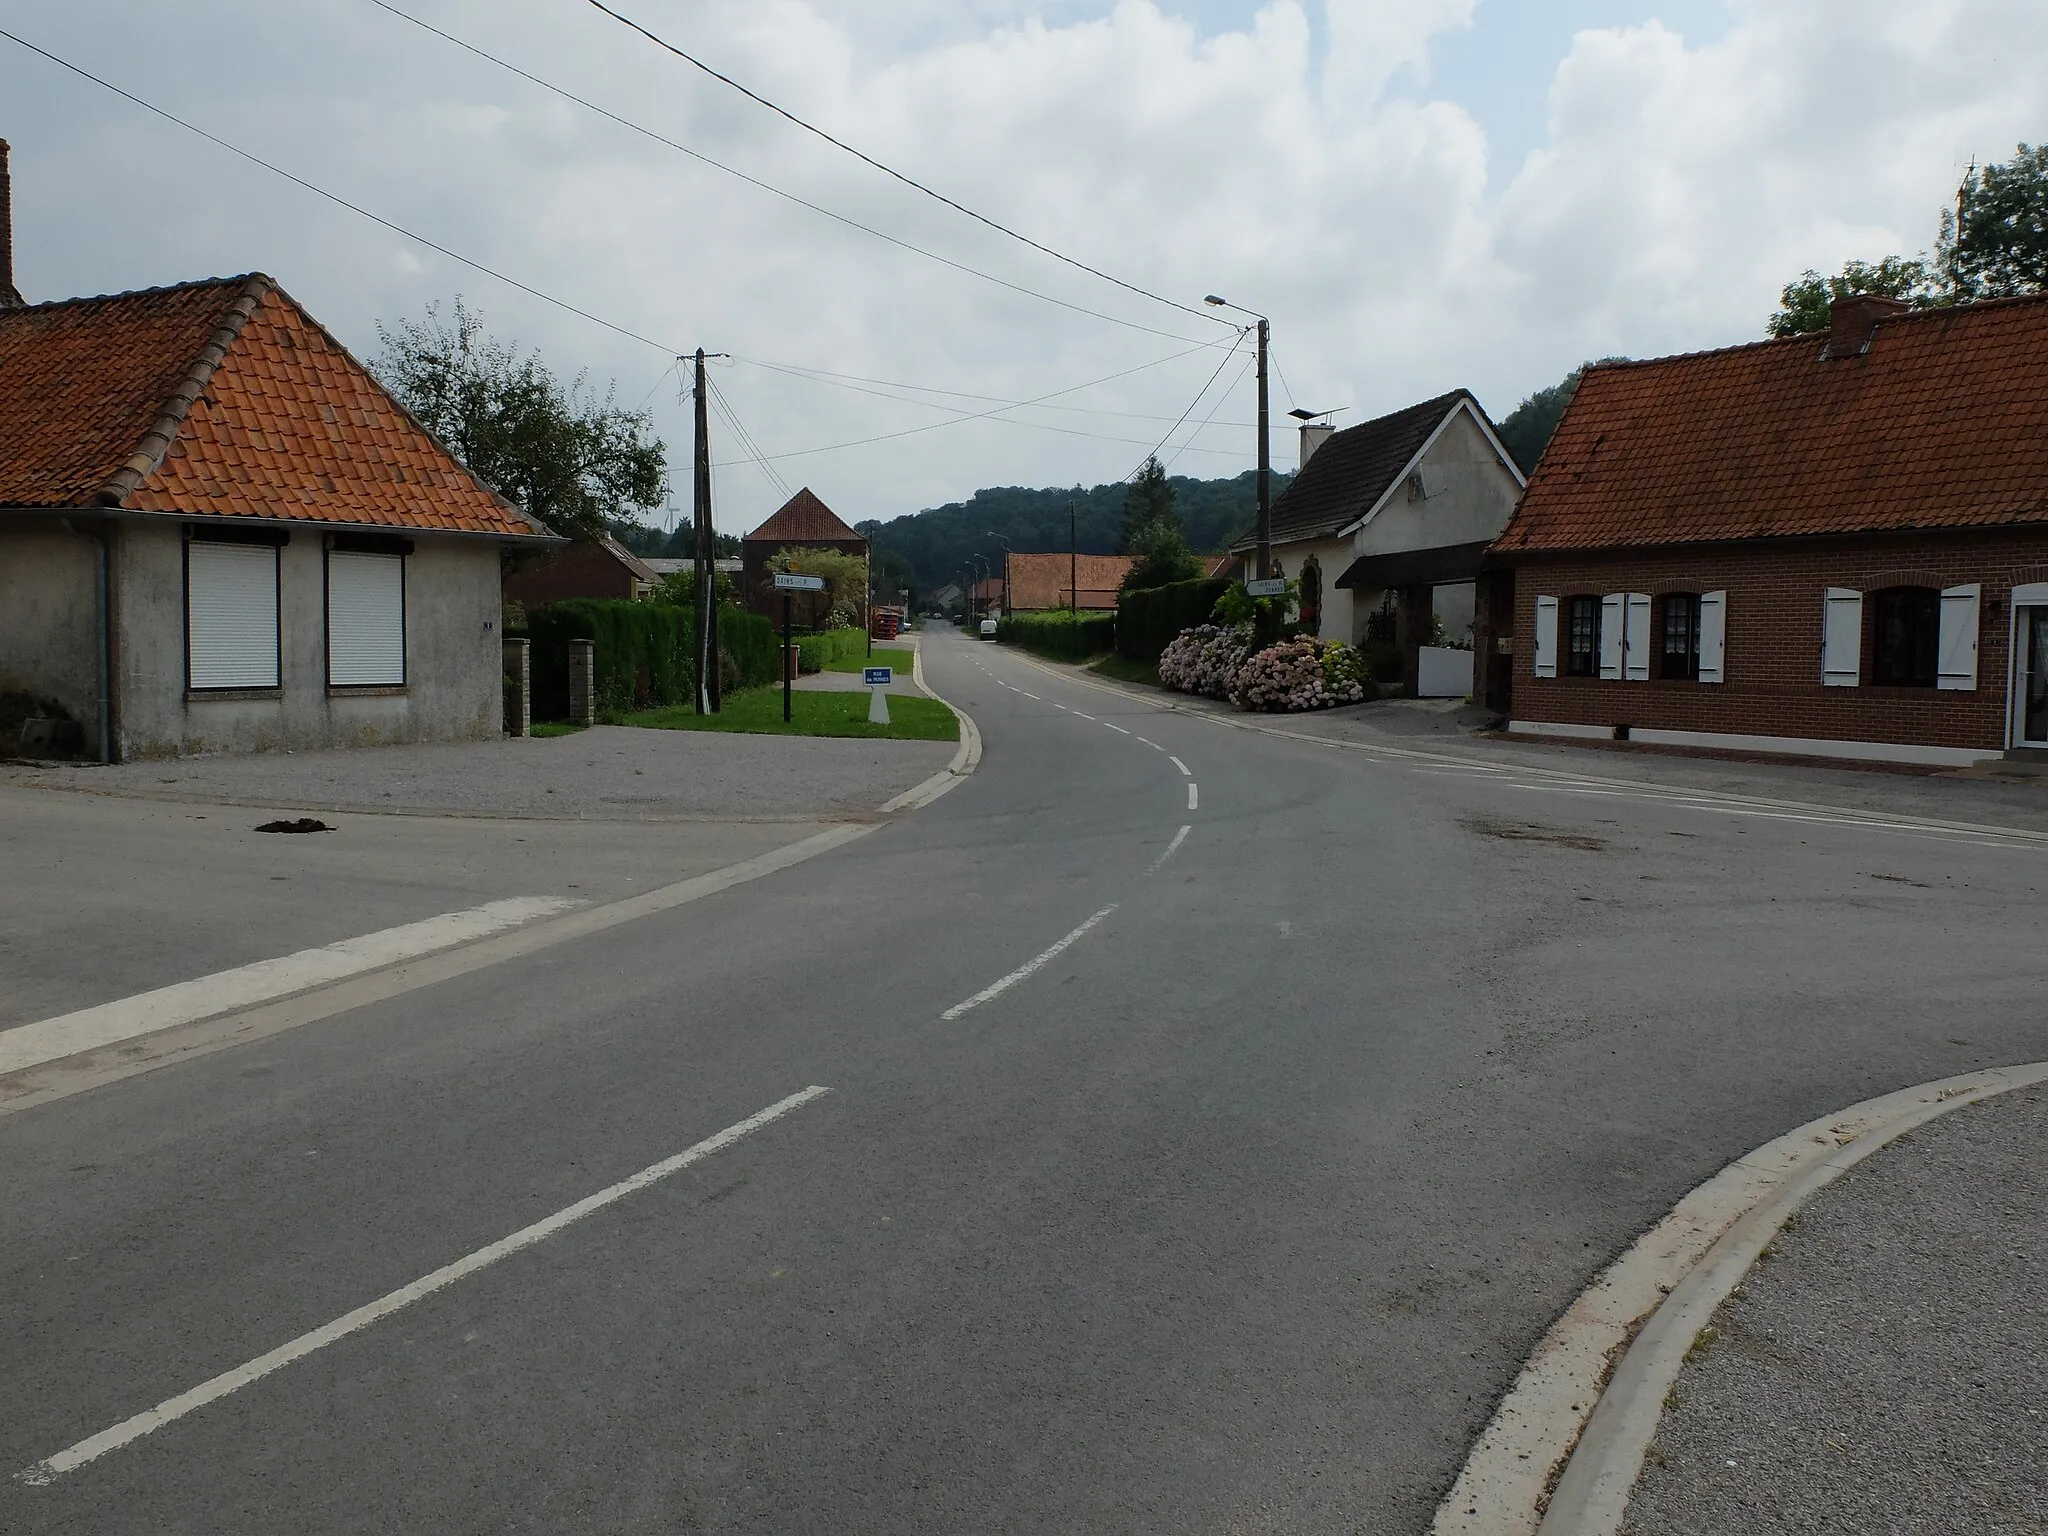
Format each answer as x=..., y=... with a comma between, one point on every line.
x=883, y=657
x=555, y=728
x=758, y=711
x=1124, y=670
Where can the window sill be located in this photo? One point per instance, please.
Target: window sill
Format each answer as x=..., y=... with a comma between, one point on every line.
x=202, y=695
x=367, y=690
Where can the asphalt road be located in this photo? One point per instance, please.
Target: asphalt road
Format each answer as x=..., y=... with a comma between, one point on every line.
x=1238, y=1213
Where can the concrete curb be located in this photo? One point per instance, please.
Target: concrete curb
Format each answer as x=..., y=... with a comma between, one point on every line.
x=965, y=760
x=1565, y=1411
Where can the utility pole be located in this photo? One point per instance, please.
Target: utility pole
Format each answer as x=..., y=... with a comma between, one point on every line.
x=705, y=565
x=1073, y=560
x=1265, y=466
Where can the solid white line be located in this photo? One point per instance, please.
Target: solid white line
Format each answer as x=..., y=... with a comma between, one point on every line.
x=73, y=1457
x=90, y=1029
x=1193, y=802
x=1117, y=728
x=1171, y=849
x=1183, y=767
x=998, y=988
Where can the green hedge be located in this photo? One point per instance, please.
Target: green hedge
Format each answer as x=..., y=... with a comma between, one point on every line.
x=817, y=652
x=1148, y=619
x=1068, y=636
x=643, y=652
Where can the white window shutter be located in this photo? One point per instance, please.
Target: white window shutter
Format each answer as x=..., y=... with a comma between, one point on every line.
x=231, y=615
x=1958, y=656
x=1841, y=646
x=1546, y=637
x=365, y=619
x=1635, y=638
x=1713, y=636
x=1613, y=619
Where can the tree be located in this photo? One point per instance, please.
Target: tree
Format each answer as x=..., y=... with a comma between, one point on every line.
x=1803, y=305
x=1529, y=425
x=581, y=466
x=1148, y=501
x=1162, y=556
x=1995, y=242
x=844, y=599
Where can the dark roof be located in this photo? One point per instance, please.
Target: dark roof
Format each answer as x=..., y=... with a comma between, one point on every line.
x=1353, y=469
x=803, y=519
x=1940, y=421
x=220, y=398
x=1414, y=567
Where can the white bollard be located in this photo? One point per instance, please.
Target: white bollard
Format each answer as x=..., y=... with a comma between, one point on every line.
x=878, y=706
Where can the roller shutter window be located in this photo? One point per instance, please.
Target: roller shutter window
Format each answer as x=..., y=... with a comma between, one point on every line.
x=231, y=637
x=1958, y=664
x=1713, y=637
x=365, y=620
x=1546, y=637
x=1841, y=644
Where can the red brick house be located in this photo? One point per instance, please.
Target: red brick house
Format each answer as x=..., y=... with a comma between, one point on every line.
x=802, y=522
x=1832, y=545
x=1034, y=583
x=604, y=569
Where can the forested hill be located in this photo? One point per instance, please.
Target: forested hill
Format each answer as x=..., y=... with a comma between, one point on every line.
x=938, y=541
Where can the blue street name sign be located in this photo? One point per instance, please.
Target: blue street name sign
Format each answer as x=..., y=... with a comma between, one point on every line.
x=876, y=677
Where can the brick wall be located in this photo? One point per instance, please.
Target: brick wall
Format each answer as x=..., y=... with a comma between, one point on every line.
x=1772, y=665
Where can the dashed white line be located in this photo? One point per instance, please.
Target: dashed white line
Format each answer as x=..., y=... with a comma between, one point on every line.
x=1117, y=728
x=1193, y=802
x=1183, y=767
x=1078, y=715
x=996, y=989
x=1031, y=696
x=1171, y=849
x=172, y=1409
x=1152, y=744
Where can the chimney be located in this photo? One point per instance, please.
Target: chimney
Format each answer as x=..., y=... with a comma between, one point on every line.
x=1313, y=435
x=1853, y=321
x=10, y=296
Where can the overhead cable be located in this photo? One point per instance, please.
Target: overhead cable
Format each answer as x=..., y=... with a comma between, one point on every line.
x=891, y=171
x=1184, y=415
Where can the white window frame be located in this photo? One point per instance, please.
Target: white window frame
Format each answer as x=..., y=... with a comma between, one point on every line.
x=353, y=673
x=1956, y=652
x=1546, y=637
x=1841, y=638
x=205, y=671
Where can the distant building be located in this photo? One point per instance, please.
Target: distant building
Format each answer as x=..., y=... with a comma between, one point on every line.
x=802, y=522
x=1035, y=582
x=604, y=569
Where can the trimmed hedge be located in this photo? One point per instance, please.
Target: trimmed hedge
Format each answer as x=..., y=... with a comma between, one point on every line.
x=643, y=652
x=817, y=652
x=1149, y=618
x=1065, y=635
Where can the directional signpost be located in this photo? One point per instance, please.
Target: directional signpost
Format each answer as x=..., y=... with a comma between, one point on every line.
x=1274, y=587
x=786, y=583
x=877, y=680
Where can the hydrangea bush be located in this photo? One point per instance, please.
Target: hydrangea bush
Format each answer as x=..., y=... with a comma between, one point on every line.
x=1205, y=660
x=1299, y=674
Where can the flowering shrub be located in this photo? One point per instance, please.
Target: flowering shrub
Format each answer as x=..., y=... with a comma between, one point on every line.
x=1205, y=660
x=1300, y=674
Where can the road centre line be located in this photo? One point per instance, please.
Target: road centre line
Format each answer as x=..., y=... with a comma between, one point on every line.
x=1117, y=728
x=172, y=1409
x=996, y=989
x=1193, y=802
x=1152, y=744
x=1079, y=715
x=1031, y=696
x=1171, y=849
x=1183, y=767
x=244, y=986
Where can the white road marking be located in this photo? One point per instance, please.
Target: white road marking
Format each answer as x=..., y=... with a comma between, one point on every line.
x=996, y=989
x=1183, y=767
x=1193, y=802
x=1117, y=728
x=1171, y=849
x=1152, y=744
x=1031, y=696
x=173, y=1409
x=1080, y=716
x=184, y=1002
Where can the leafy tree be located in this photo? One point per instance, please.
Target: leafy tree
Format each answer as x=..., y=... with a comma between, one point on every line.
x=1162, y=556
x=581, y=466
x=1995, y=243
x=1529, y=425
x=1803, y=304
x=680, y=588
x=682, y=544
x=844, y=599
x=1148, y=501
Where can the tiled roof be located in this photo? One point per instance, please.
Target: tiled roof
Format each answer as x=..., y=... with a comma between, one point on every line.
x=1352, y=470
x=804, y=519
x=220, y=398
x=1039, y=581
x=1941, y=423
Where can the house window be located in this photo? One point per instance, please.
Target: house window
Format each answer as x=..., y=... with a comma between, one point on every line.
x=365, y=617
x=1907, y=643
x=1678, y=633
x=1582, y=637
x=231, y=612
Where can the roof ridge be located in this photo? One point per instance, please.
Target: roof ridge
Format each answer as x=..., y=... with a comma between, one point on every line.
x=189, y=286
x=1902, y=317
x=156, y=442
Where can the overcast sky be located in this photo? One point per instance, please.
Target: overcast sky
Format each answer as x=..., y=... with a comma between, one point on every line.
x=1422, y=194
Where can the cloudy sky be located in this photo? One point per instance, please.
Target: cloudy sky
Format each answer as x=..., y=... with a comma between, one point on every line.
x=1421, y=194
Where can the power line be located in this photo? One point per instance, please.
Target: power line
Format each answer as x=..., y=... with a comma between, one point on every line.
x=1184, y=415
x=769, y=187
x=1188, y=441
x=908, y=181
x=853, y=381
x=746, y=440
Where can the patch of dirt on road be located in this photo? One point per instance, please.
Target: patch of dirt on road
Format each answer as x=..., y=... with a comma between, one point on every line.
x=1534, y=832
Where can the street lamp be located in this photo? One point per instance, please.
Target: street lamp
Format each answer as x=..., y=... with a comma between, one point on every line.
x=1265, y=552
x=992, y=534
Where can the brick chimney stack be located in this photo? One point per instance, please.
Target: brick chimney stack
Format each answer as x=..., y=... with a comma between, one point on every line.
x=1853, y=321
x=10, y=296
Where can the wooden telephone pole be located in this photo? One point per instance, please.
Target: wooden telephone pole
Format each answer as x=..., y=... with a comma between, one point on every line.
x=706, y=561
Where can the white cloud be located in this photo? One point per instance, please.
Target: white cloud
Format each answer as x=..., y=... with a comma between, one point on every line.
x=1297, y=164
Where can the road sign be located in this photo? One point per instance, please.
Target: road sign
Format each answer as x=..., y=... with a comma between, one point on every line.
x=876, y=677
x=785, y=582
x=1275, y=587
